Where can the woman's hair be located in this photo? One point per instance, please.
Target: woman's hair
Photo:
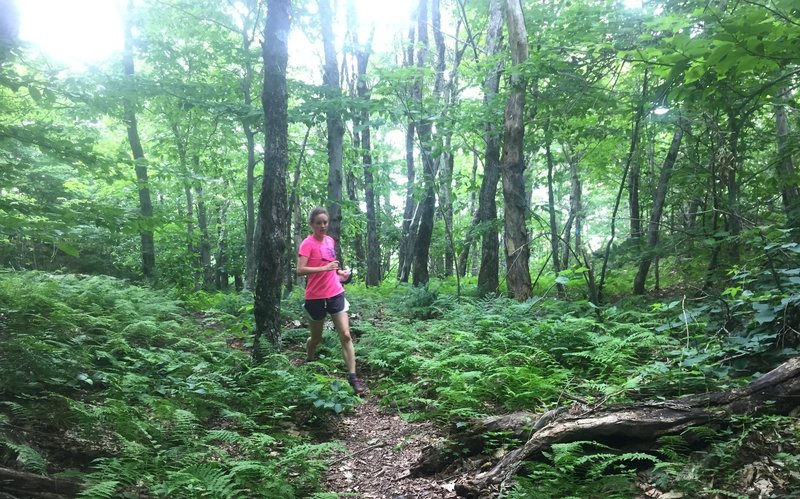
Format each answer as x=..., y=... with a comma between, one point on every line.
x=318, y=210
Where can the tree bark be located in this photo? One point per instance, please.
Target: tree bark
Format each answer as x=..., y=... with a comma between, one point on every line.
x=424, y=127
x=24, y=484
x=636, y=169
x=575, y=217
x=129, y=112
x=335, y=126
x=633, y=200
x=373, y=277
x=512, y=164
x=272, y=202
x=776, y=392
x=187, y=189
x=551, y=208
x=489, y=270
x=446, y=158
x=653, y=229
x=221, y=273
x=205, y=240
x=469, y=239
x=408, y=233
x=734, y=221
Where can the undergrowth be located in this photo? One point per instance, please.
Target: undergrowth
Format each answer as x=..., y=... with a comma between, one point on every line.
x=156, y=394
x=452, y=360
x=118, y=385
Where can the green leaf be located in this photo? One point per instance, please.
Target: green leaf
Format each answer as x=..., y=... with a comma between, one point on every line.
x=68, y=249
x=764, y=313
x=35, y=94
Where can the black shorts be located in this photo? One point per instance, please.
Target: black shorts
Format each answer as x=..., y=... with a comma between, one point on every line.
x=318, y=308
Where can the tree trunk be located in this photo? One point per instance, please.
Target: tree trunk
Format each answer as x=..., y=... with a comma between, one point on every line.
x=633, y=200
x=734, y=221
x=636, y=169
x=637, y=126
x=250, y=137
x=776, y=392
x=373, y=277
x=272, y=203
x=205, y=240
x=446, y=158
x=463, y=256
x=293, y=211
x=717, y=162
x=180, y=146
x=512, y=165
x=575, y=217
x=187, y=189
x=424, y=128
x=352, y=195
x=129, y=111
x=408, y=233
x=388, y=253
x=551, y=208
x=446, y=202
x=335, y=126
x=488, y=273
x=658, y=208
x=222, y=259
x=785, y=170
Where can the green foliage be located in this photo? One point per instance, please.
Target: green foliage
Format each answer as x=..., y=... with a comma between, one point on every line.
x=583, y=469
x=331, y=395
x=122, y=373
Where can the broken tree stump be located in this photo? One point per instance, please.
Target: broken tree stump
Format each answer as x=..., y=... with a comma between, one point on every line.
x=776, y=392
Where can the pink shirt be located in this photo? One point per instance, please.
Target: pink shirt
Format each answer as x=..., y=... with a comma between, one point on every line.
x=320, y=285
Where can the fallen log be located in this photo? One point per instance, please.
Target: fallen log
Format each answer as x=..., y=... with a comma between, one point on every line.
x=24, y=484
x=776, y=392
x=471, y=440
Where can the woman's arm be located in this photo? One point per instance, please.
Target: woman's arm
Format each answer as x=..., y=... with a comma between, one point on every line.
x=304, y=269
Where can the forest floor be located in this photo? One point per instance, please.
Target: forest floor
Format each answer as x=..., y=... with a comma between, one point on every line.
x=380, y=449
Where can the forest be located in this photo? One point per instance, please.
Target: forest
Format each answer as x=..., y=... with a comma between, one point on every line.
x=573, y=228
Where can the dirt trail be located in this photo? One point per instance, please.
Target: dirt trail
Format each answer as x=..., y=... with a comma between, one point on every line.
x=380, y=449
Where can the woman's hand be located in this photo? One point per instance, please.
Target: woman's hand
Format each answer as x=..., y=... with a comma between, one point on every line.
x=334, y=265
x=344, y=275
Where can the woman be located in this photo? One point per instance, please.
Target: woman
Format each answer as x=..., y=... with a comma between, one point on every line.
x=325, y=294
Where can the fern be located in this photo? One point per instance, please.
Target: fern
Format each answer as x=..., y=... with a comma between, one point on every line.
x=26, y=456
x=106, y=489
x=226, y=436
x=186, y=423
